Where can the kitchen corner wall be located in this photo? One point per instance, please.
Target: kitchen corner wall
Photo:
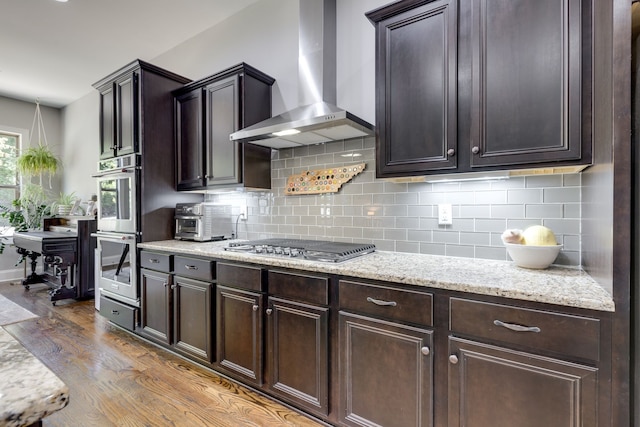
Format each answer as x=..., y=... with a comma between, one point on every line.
x=402, y=217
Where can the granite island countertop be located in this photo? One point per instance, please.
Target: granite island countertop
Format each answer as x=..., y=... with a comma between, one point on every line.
x=29, y=391
x=555, y=285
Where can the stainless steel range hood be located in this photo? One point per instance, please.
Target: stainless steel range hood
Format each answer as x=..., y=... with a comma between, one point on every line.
x=318, y=119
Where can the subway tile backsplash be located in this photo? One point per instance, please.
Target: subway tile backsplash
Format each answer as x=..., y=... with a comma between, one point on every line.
x=402, y=217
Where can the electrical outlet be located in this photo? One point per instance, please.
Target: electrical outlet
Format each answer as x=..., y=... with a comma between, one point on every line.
x=243, y=212
x=445, y=216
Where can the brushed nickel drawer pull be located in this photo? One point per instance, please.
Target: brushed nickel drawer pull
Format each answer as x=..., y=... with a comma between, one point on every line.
x=381, y=302
x=255, y=307
x=269, y=311
x=517, y=328
x=453, y=359
x=154, y=260
x=190, y=267
x=425, y=350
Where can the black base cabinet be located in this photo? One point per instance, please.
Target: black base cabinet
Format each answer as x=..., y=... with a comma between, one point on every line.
x=177, y=311
x=499, y=387
x=355, y=352
x=239, y=322
x=386, y=367
x=298, y=340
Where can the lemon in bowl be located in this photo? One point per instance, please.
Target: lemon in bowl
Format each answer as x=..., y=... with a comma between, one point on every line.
x=536, y=247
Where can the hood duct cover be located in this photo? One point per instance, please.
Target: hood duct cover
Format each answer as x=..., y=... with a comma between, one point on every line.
x=318, y=119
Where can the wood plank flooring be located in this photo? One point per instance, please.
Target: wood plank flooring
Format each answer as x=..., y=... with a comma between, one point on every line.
x=116, y=379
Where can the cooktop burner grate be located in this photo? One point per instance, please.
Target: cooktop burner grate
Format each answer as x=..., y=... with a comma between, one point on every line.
x=314, y=250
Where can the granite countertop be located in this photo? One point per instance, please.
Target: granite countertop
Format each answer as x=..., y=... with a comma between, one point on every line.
x=555, y=285
x=29, y=391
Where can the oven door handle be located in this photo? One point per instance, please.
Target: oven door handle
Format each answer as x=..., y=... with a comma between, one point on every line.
x=113, y=236
x=128, y=170
x=188, y=217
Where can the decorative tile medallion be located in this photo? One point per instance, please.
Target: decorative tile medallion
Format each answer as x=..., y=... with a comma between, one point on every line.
x=321, y=181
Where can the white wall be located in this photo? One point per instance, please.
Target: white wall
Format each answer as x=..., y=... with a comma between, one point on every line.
x=80, y=124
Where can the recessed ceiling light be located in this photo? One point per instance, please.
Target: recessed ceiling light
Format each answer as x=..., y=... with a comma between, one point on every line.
x=62, y=1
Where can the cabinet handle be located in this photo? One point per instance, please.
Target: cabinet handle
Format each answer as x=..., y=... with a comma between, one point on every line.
x=381, y=302
x=165, y=284
x=453, y=359
x=255, y=307
x=269, y=311
x=115, y=312
x=173, y=286
x=475, y=149
x=425, y=350
x=517, y=328
x=190, y=267
x=154, y=260
x=451, y=152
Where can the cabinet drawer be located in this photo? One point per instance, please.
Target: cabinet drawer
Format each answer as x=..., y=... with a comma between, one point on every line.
x=299, y=287
x=194, y=268
x=541, y=330
x=240, y=276
x=381, y=301
x=156, y=261
x=120, y=314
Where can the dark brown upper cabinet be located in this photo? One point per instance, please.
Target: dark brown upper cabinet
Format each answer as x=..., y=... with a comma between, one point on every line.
x=136, y=94
x=206, y=113
x=478, y=85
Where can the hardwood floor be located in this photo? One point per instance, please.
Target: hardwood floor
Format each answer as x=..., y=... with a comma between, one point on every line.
x=116, y=379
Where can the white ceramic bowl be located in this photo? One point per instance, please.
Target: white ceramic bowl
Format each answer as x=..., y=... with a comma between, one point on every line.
x=529, y=256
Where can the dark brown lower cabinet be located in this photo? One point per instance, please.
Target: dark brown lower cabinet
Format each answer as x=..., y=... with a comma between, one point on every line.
x=498, y=387
x=155, y=305
x=176, y=311
x=386, y=371
x=239, y=333
x=297, y=353
x=193, y=318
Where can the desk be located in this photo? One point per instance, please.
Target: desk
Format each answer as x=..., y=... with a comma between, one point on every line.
x=59, y=256
x=67, y=250
x=29, y=390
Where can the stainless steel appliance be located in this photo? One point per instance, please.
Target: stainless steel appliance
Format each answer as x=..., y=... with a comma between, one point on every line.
x=117, y=261
x=203, y=222
x=312, y=250
x=117, y=192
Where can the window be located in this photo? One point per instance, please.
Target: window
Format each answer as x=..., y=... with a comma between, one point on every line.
x=9, y=182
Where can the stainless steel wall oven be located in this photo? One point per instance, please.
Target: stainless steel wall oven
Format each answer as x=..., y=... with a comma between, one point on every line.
x=118, y=197
x=118, y=225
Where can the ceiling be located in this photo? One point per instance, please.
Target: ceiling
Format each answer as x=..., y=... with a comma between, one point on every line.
x=54, y=52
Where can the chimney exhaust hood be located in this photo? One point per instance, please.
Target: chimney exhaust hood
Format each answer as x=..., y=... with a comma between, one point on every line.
x=318, y=119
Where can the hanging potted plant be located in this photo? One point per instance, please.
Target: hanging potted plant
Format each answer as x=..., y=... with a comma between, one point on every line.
x=38, y=160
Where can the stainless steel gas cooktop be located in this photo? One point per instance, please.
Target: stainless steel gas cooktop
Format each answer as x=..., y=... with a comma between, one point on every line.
x=312, y=250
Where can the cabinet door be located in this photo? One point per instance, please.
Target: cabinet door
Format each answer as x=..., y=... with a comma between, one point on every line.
x=416, y=90
x=127, y=114
x=155, y=305
x=193, y=318
x=239, y=333
x=188, y=116
x=526, y=80
x=498, y=387
x=386, y=373
x=222, y=119
x=107, y=121
x=297, y=353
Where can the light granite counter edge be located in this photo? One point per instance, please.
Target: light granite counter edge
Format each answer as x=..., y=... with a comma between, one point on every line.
x=555, y=285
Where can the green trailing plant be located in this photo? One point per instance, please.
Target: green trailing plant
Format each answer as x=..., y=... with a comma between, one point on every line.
x=37, y=160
